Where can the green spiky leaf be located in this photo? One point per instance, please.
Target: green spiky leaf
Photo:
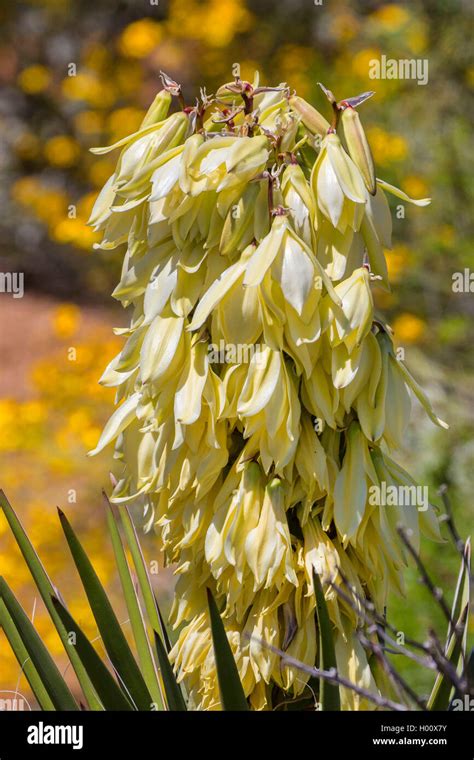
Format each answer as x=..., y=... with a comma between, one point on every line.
x=455, y=648
x=134, y=610
x=144, y=582
x=230, y=687
x=24, y=660
x=52, y=680
x=174, y=695
x=328, y=693
x=111, y=696
x=46, y=589
x=115, y=643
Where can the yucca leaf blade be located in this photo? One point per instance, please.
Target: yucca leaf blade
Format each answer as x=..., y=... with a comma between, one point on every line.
x=174, y=695
x=51, y=678
x=46, y=588
x=24, y=660
x=143, y=576
x=111, y=696
x=455, y=644
x=461, y=594
x=440, y=696
x=230, y=687
x=133, y=606
x=328, y=693
x=115, y=643
x=164, y=632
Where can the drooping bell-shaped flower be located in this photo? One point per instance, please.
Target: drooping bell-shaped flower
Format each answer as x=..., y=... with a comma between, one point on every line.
x=259, y=399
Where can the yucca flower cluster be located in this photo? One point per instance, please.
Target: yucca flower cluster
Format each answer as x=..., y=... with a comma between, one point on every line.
x=251, y=222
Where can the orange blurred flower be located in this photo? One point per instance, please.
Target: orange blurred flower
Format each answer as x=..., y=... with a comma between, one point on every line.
x=386, y=147
x=66, y=319
x=391, y=17
x=415, y=186
x=408, y=328
x=34, y=79
x=140, y=38
x=62, y=151
x=397, y=261
x=89, y=122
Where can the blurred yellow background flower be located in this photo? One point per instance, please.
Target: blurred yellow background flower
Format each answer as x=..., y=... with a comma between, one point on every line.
x=140, y=38
x=408, y=328
x=34, y=79
x=62, y=151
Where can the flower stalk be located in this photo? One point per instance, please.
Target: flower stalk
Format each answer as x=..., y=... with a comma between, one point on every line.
x=240, y=227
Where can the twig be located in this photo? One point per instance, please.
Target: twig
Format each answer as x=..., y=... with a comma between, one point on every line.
x=390, y=670
x=370, y=607
x=434, y=648
x=332, y=676
x=381, y=624
x=435, y=592
x=462, y=547
x=453, y=627
x=398, y=682
x=400, y=649
x=444, y=665
x=449, y=520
